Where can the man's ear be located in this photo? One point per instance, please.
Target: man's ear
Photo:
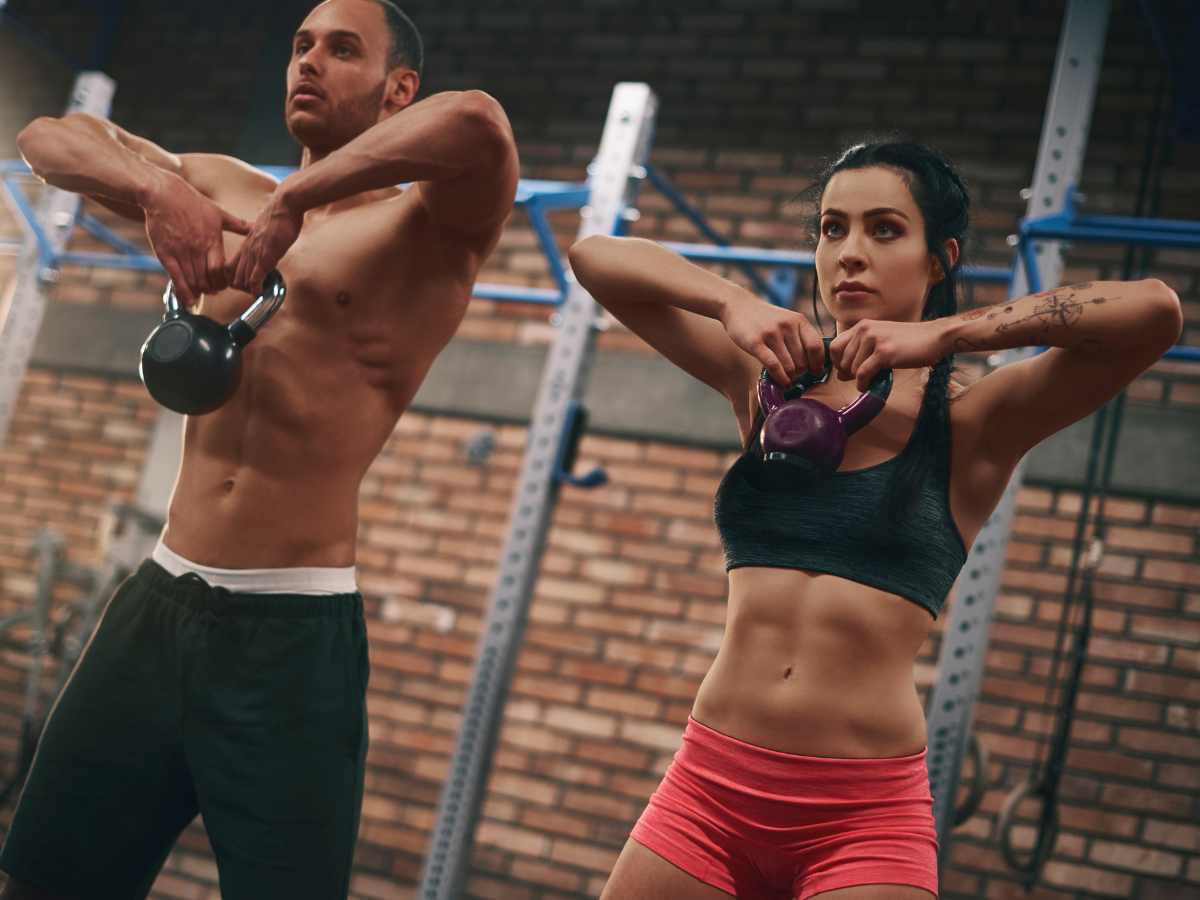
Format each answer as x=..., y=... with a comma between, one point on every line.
x=402, y=86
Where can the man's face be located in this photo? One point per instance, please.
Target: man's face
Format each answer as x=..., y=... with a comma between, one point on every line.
x=337, y=77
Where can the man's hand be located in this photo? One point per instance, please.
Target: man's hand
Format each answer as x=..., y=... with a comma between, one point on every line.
x=782, y=340
x=872, y=345
x=274, y=232
x=185, y=230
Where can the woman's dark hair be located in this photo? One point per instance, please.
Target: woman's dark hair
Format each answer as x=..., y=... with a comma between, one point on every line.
x=941, y=195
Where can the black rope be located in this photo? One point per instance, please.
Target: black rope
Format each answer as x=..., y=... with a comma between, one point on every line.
x=1050, y=754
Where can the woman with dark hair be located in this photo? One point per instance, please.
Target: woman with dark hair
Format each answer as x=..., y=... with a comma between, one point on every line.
x=802, y=768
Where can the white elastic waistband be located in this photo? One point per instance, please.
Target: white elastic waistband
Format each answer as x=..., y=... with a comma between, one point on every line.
x=301, y=580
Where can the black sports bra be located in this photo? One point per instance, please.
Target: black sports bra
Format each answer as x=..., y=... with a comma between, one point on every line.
x=767, y=517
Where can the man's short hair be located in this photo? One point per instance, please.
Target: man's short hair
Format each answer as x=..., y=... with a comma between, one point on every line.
x=406, y=46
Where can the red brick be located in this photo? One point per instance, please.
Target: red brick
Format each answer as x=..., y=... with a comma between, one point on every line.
x=1093, y=820
x=585, y=856
x=1104, y=762
x=1098, y=881
x=626, y=524
x=641, y=654
x=595, y=672
x=622, y=624
x=1159, y=743
x=1172, y=571
x=1155, y=541
x=1169, y=686
x=657, y=554
x=519, y=840
x=1179, y=516
x=1173, y=630
x=560, y=877
x=625, y=703
x=616, y=572
x=651, y=604
x=673, y=505
x=1137, y=858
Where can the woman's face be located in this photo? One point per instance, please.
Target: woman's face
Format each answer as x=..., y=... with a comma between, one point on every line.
x=872, y=260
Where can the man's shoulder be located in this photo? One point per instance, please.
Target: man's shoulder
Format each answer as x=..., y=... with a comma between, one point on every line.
x=220, y=177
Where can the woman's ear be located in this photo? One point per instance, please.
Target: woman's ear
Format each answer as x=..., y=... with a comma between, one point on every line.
x=951, y=249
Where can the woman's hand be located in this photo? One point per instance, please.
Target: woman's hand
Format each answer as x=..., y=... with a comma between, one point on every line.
x=872, y=345
x=782, y=340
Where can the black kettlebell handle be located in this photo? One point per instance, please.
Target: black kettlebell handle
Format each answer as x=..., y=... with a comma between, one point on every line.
x=193, y=365
x=245, y=327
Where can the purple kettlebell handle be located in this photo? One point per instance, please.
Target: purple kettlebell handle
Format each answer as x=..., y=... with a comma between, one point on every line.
x=860, y=412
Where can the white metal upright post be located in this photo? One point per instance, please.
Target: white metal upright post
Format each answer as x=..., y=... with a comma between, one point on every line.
x=22, y=311
x=614, y=181
x=965, y=642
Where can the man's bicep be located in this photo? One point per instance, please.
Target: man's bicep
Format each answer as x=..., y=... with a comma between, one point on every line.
x=220, y=178
x=478, y=201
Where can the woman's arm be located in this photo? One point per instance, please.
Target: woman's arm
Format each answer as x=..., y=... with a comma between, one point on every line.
x=711, y=328
x=1102, y=335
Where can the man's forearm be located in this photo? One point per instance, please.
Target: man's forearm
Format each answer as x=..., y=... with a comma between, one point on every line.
x=79, y=154
x=1090, y=317
x=442, y=137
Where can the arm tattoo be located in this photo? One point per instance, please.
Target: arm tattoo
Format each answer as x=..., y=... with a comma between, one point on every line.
x=962, y=345
x=1056, y=308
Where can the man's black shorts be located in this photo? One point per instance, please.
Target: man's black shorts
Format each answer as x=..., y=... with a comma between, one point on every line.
x=249, y=709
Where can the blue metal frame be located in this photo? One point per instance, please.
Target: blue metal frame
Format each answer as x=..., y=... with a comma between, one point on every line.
x=790, y=259
x=770, y=291
x=784, y=263
x=536, y=197
x=1070, y=226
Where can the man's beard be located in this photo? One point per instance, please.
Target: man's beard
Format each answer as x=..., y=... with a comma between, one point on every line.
x=346, y=121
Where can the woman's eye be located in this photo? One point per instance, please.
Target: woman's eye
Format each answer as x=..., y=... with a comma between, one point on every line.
x=831, y=229
x=886, y=229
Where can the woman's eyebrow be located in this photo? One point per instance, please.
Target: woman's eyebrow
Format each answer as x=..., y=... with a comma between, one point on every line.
x=877, y=211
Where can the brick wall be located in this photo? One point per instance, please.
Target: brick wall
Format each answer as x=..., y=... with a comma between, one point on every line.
x=629, y=606
x=625, y=620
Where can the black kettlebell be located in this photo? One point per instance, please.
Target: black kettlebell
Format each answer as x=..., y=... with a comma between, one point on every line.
x=192, y=364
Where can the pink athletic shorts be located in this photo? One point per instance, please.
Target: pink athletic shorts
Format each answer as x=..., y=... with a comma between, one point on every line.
x=762, y=823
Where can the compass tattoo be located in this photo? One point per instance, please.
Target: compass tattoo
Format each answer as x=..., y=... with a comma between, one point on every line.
x=1061, y=307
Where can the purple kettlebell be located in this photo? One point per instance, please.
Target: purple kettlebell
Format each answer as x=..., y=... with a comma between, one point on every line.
x=807, y=433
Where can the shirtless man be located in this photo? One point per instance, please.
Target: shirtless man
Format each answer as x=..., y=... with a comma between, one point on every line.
x=228, y=675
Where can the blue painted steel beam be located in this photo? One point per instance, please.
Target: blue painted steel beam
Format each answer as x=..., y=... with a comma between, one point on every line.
x=549, y=244
x=544, y=296
x=1155, y=233
x=697, y=218
x=100, y=231
x=1183, y=354
x=802, y=260
x=45, y=251
x=742, y=255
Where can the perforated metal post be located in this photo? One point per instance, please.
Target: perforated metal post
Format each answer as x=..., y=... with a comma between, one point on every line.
x=964, y=646
x=624, y=148
x=21, y=316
